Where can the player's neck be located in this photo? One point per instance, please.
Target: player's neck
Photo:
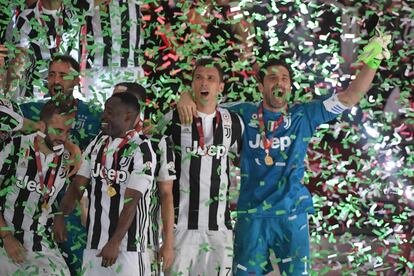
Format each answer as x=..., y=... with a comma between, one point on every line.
x=274, y=109
x=206, y=109
x=51, y=4
x=43, y=148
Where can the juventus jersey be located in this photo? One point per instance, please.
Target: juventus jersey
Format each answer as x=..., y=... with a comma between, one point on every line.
x=21, y=195
x=165, y=171
x=44, y=33
x=114, y=34
x=201, y=188
x=10, y=118
x=277, y=190
x=134, y=170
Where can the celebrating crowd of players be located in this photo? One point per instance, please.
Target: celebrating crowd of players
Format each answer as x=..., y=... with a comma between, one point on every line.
x=124, y=176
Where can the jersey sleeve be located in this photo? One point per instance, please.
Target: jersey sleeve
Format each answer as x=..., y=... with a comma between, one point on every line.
x=142, y=174
x=322, y=111
x=10, y=116
x=166, y=160
x=23, y=27
x=7, y=148
x=86, y=167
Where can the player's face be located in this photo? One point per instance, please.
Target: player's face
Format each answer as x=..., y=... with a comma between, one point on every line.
x=57, y=130
x=276, y=87
x=206, y=85
x=114, y=119
x=61, y=80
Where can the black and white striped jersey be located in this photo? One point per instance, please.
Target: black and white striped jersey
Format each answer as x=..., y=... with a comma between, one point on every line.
x=11, y=118
x=21, y=195
x=135, y=170
x=114, y=34
x=43, y=33
x=201, y=188
x=165, y=171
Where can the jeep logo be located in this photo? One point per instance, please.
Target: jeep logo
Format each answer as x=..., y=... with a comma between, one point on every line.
x=101, y=171
x=33, y=186
x=212, y=150
x=283, y=142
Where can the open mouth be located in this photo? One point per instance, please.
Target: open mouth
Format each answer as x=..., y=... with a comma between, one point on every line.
x=278, y=92
x=204, y=93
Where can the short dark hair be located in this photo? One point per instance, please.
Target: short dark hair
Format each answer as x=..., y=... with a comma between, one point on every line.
x=209, y=62
x=50, y=108
x=135, y=89
x=129, y=100
x=273, y=62
x=66, y=59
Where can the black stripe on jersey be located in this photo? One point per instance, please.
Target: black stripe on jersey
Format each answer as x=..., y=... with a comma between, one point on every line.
x=21, y=21
x=236, y=130
x=96, y=233
x=125, y=29
x=107, y=37
x=115, y=200
x=176, y=137
x=89, y=41
x=194, y=185
x=146, y=155
x=132, y=230
x=22, y=197
x=51, y=31
x=138, y=33
x=215, y=180
x=227, y=218
x=37, y=235
x=8, y=170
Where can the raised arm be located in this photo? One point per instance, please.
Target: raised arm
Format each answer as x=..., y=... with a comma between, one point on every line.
x=374, y=52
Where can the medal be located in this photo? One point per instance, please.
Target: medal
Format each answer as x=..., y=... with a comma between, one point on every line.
x=45, y=206
x=46, y=189
x=267, y=142
x=111, y=191
x=268, y=160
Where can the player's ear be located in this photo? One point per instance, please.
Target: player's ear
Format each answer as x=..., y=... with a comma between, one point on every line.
x=41, y=126
x=221, y=87
x=261, y=87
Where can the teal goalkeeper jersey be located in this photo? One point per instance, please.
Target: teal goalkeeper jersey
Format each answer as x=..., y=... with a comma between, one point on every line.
x=270, y=191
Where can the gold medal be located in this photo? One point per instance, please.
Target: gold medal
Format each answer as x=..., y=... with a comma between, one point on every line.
x=111, y=191
x=268, y=160
x=45, y=206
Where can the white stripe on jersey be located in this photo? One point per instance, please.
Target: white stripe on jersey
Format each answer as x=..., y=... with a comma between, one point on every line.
x=135, y=170
x=334, y=105
x=200, y=192
x=21, y=205
x=116, y=41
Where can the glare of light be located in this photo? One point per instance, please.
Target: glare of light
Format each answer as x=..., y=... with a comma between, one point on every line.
x=373, y=132
x=409, y=193
x=354, y=110
x=390, y=165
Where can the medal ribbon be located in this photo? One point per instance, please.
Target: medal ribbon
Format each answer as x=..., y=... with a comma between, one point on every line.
x=201, y=141
x=52, y=175
x=262, y=128
x=60, y=22
x=103, y=160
